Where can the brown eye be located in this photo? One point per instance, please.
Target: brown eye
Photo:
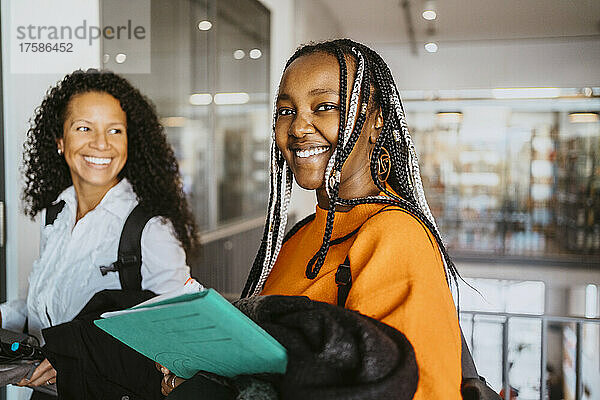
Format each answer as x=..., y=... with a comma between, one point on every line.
x=83, y=129
x=327, y=107
x=285, y=111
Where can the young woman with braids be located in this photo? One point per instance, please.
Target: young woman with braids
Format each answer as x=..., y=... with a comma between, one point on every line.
x=96, y=144
x=339, y=129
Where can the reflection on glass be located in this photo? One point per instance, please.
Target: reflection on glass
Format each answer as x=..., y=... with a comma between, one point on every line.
x=213, y=104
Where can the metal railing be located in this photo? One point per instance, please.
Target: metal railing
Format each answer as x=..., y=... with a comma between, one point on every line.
x=545, y=320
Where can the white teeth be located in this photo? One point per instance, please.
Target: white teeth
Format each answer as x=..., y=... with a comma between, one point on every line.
x=97, y=160
x=311, y=152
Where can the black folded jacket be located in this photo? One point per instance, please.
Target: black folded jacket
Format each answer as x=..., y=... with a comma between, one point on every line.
x=335, y=353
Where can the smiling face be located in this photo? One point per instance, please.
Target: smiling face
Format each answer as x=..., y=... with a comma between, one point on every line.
x=307, y=126
x=94, y=141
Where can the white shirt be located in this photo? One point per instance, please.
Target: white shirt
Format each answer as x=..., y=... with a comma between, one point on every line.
x=67, y=274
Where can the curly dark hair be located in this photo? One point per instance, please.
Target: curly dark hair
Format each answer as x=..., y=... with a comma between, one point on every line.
x=151, y=167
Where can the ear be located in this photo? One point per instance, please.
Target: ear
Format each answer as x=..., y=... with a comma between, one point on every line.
x=60, y=144
x=377, y=125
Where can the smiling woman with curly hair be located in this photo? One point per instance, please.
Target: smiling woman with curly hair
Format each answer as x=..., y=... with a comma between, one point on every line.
x=94, y=151
x=151, y=167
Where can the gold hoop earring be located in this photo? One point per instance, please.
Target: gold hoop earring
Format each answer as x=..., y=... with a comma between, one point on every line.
x=384, y=165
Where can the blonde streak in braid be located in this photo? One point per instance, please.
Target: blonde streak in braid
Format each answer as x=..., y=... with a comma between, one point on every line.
x=271, y=215
x=354, y=96
x=283, y=212
x=352, y=111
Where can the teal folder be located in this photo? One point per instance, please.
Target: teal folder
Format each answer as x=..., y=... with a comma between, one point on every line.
x=198, y=332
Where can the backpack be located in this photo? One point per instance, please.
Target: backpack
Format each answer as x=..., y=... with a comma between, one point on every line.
x=129, y=256
x=473, y=386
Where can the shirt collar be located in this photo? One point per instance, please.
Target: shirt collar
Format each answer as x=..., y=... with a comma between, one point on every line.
x=117, y=200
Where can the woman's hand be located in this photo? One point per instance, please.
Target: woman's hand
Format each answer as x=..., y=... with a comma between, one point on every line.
x=44, y=374
x=169, y=381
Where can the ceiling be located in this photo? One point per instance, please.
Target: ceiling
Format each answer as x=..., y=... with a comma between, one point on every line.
x=383, y=21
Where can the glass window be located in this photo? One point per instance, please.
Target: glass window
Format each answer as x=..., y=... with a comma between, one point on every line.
x=511, y=182
x=210, y=82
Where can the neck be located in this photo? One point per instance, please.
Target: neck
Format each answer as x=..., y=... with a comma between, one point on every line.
x=355, y=188
x=88, y=197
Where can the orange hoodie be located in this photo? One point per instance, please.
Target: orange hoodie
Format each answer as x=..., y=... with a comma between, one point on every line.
x=397, y=278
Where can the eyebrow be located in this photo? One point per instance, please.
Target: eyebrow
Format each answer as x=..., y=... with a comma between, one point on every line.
x=91, y=123
x=324, y=91
x=314, y=92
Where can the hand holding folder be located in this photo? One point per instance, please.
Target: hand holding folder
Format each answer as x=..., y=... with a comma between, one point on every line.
x=197, y=332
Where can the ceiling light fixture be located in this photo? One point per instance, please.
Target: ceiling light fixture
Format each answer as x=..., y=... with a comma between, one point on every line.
x=231, y=98
x=255, y=53
x=429, y=15
x=583, y=117
x=204, y=25
x=449, y=117
x=200, y=99
x=431, y=47
x=429, y=11
x=239, y=54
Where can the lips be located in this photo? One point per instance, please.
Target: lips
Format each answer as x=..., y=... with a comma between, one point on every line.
x=309, y=152
x=97, y=161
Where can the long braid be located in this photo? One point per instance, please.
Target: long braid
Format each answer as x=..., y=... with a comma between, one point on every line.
x=347, y=136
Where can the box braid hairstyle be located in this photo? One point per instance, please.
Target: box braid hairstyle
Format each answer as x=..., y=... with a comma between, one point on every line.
x=373, y=77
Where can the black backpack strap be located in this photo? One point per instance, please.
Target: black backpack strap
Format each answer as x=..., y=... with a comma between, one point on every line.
x=52, y=212
x=343, y=280
x=129, y=259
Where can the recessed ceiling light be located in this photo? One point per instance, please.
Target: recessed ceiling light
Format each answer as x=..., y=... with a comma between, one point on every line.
x=449, y=117
x=232, y=98
x=200, y=99
x=255, y=53
x=204, y=25
x=431, y=47
x=239, y=54
x=429, y=15
x=120, y=58
x=583, y=117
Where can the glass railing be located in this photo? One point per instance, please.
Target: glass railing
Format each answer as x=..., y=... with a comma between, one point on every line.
x=536, y=357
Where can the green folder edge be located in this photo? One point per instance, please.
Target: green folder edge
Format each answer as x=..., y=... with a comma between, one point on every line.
x=271, y=355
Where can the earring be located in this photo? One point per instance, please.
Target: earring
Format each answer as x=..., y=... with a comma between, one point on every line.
x=59, y=151
x=384, y=165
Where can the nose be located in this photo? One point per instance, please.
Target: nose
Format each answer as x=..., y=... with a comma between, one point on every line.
x=100, y=141
x=301, y=126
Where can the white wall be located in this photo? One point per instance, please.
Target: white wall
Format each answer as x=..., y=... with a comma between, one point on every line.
x=314, y=22
x=502, y=63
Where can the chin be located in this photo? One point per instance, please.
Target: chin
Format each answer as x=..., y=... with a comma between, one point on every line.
x=310, y=184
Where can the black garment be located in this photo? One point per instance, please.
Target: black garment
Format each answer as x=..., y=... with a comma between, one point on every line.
x=335, y=353
x=91, y=364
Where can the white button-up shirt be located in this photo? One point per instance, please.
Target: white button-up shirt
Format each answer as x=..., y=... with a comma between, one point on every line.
x=67, y=274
